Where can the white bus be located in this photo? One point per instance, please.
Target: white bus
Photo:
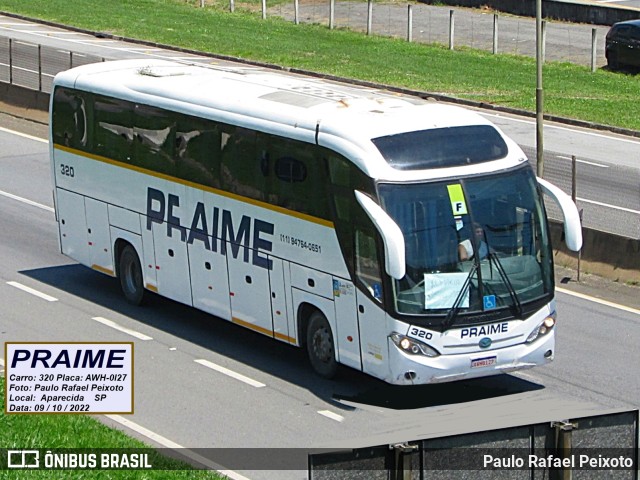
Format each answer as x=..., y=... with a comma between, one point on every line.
x=327, y=216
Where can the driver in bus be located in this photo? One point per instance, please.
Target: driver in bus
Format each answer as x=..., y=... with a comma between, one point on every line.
x=465, y=247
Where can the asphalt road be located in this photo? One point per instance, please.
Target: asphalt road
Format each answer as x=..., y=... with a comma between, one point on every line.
x=181, y=401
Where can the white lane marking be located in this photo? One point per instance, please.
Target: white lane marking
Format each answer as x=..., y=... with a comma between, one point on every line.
x=140, y=49
x=128, y=331
x=592, y=134
x=27, y=201
x=85, y=41
x=25, y=135
x=599, y=301
x=608, y=205
x=585, y=162
x=32, y=291
x=165, y=442
x=230, y=373
x=331, y=415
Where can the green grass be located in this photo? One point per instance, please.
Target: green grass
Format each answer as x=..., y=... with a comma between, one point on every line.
x=570, y=90
x=83, y=432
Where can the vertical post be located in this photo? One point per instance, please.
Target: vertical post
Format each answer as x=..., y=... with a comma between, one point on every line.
x=594, y=36
x=544, y=41
x=409, y=23
x=296, y=11
x=369, y=16
x=495, y=33
x=451, y=27
x=10, y=61
x=201, y=3
x=39, y=67
x=264, y=9
x=574, y=195
x=232, y=6
x=539, y=92
x=564, y=447
x=332, y=9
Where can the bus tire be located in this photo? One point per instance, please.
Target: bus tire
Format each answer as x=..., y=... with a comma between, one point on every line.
x=320, y=346
x=130, y=273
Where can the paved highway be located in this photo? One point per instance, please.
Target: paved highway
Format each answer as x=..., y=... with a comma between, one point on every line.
x=608, y=175
x=267, y=396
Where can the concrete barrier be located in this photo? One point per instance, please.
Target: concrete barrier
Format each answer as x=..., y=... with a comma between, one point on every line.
x=557, y=10
x=604, y=254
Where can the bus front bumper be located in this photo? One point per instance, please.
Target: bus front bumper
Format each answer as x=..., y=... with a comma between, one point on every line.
x=418, y=369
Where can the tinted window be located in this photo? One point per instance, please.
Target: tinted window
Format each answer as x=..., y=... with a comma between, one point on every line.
x=442, y=147
x=113, y=128
x=296, y=173
x=198, y=147
x=69, y=119
x=154, y=135
x=290, y=170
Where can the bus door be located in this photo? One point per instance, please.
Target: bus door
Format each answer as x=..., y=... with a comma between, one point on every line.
x=348, y=336
x=279, y=301
x=371, y=316
x=248, y=290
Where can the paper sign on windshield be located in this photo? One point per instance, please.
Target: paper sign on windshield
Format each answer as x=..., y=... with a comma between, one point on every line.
x=442, y=289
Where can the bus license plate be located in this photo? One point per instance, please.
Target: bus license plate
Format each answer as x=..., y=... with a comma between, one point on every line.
x=483, y=362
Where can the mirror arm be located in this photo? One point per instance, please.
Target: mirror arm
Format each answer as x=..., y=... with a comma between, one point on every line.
x=572, y=224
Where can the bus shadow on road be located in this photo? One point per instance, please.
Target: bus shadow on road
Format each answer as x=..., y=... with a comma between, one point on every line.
x=350, y=388
x=394, y=397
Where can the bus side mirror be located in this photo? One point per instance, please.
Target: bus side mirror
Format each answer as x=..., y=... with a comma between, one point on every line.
x=392, y=237
x=571, y=217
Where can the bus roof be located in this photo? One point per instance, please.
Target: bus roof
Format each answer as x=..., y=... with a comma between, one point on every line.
x=339, y=116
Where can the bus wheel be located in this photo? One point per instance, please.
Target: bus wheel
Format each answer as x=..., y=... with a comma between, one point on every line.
x=320, y=346
x=130, y=273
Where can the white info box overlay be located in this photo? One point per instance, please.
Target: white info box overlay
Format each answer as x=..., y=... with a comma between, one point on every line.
x=69, y=377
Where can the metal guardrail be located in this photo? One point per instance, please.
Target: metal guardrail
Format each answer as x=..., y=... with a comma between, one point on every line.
x=33, y=66
x=562, y=42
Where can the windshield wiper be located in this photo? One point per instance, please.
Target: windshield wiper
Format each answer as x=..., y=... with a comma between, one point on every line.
x=455, y=308
x=507, y=282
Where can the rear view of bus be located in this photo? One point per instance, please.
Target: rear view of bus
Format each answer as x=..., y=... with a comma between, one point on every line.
x=403, y=238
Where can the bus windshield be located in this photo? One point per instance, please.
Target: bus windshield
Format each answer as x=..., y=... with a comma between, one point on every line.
x=472, y=245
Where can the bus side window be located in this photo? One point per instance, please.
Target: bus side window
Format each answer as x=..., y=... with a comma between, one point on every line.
x=69, y=119
x=240, y=168
x=345, y=178
x=113, y=134
x=198, y=151
x=154, y=139
x=367, y=265
x=295, y=174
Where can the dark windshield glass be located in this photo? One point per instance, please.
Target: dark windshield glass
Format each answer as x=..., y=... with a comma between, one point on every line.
x=477, y=244
x=442, y=147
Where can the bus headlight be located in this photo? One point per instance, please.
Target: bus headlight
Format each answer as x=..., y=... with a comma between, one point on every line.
x=412, y=346
x=542, y=329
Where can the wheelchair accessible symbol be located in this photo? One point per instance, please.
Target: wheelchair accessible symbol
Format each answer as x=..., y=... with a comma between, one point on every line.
x=489, y=302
